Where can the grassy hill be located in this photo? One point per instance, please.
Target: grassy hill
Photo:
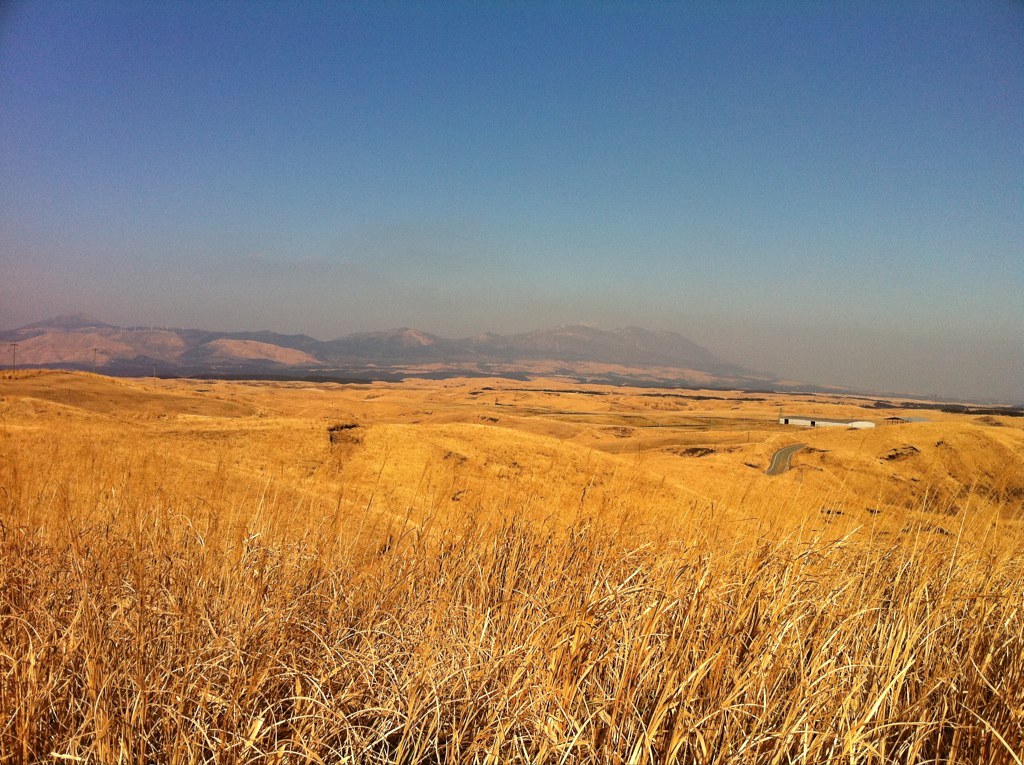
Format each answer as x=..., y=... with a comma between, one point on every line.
x=490, y=571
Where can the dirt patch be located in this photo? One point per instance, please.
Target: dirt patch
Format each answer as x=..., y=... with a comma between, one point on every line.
x=344, y=433
x=618, y=432
x=990, y=421
x=459, y=459
x=690, y=451
x=900, y=453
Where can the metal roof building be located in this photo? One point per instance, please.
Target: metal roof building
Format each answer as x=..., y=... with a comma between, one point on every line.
x=801, y=421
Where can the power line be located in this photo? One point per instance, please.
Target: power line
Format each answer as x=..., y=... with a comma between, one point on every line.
x=14, y=356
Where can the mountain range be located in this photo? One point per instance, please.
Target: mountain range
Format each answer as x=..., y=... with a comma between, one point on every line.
x=578, y=352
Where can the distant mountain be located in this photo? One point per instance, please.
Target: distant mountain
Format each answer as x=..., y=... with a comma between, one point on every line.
x=396, y=346
x=68, y=321
x=630, y=346
x=578, y=352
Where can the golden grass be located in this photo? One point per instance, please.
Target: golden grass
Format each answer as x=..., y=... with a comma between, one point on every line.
x=230, y=587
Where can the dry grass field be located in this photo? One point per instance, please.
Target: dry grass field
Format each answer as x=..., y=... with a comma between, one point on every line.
x=486, y=571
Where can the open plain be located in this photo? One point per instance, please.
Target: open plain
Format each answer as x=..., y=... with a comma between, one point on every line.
x=483, y=570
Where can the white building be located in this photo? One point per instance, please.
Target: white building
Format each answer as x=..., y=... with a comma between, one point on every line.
x=823, y=422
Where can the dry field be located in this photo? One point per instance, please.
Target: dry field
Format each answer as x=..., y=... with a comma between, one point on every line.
x=498, y=572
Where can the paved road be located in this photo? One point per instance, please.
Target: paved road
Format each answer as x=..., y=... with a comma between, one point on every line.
x=780, y=460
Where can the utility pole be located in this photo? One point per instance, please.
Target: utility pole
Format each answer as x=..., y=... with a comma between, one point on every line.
x=94, y=350
x=14, y=356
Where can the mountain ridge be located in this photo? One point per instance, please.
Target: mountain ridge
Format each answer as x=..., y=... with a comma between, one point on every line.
x=578, y=351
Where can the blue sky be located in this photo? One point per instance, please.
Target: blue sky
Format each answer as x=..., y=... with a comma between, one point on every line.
x=829, y=191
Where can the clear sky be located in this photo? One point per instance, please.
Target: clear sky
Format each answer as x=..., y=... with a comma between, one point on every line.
x=833, y=191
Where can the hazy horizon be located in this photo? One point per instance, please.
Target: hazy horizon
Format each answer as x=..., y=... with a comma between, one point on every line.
x=830, y=193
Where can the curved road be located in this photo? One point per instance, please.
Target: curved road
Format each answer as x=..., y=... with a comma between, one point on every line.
x=780, y=460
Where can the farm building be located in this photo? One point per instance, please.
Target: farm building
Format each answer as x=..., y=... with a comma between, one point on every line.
x=823, y=422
